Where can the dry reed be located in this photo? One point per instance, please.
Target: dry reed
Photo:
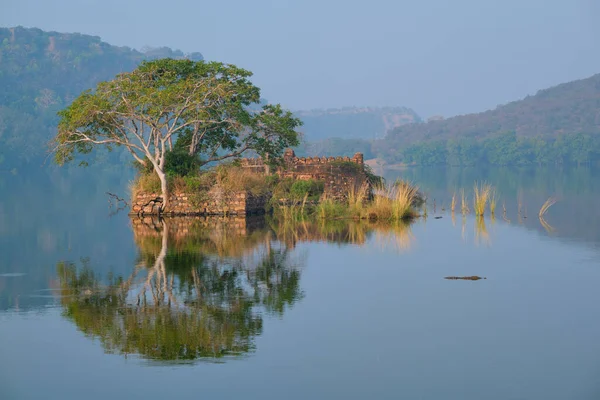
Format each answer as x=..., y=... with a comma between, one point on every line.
x=547, y=204
x=481, y=196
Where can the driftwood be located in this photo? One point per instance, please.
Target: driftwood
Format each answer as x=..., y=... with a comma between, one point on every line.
x=465, y=278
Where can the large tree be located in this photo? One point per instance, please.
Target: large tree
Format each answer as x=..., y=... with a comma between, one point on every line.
x=211, y=106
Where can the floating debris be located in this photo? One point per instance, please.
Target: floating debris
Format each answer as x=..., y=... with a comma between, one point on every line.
x=465, y=278
x=12, y=274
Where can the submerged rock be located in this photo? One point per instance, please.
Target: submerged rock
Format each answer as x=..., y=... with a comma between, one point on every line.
x=465, y=278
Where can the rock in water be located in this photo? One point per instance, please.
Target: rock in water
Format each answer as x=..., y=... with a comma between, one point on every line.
x=465, y=278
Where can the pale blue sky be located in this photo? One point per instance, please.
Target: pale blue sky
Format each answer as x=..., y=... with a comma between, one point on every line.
x=437, y=56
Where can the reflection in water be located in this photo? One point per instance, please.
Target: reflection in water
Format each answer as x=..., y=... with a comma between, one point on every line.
x=194, y=292
x=481, y=233
x=522, y=192
x=201, y=286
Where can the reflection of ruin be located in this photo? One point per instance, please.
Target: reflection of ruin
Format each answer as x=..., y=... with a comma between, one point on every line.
x=200, y=287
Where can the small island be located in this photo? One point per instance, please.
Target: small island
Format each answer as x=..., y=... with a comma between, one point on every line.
x=187, y=124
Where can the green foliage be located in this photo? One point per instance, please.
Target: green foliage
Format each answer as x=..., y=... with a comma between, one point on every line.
x=504, y=149
x=328, y=208
x=293, y=190
x=206, y=108
x=218, y=313
x=311, y=188
x=556, y=126
x=180, y=162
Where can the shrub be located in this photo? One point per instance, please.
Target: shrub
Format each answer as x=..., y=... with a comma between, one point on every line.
x=181, y=163
x=310, y=188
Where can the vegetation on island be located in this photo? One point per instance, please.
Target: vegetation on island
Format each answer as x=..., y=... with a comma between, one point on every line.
x=183, y=112
x=177, y=117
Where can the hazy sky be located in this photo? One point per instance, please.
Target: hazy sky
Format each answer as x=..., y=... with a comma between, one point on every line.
x=436, y=56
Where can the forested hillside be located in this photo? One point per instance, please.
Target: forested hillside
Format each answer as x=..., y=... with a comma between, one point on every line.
x=42, y=72
x=559, y=125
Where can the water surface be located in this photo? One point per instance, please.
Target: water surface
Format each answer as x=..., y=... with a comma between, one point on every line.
x=97, y=306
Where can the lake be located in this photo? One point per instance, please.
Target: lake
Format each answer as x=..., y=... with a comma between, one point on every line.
x=96, y=305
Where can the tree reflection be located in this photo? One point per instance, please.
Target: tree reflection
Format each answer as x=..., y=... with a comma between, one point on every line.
x=200, y=288
x=183, y=301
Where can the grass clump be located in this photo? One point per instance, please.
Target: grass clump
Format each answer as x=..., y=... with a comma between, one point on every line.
x=328, y=208
x=481, y=195
x=357, y=200
x=394, y=202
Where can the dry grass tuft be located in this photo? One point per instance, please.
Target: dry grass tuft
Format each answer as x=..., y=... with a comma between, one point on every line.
x=481, y=195
x=357, y=198
x=394, y=202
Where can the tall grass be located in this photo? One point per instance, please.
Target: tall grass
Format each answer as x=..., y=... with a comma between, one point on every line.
x=394, y=202
x=328, y=208
x=293, y=211
x=453, y=203
x=481, y=196
x=357, y=200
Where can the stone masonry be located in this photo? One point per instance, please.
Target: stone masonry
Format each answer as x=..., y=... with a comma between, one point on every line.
x=214, y=203
x=339, y=174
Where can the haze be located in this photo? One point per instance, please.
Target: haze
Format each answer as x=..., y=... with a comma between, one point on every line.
x=437, y=57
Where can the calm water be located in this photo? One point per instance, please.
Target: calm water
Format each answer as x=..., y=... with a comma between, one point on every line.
x=99, y=306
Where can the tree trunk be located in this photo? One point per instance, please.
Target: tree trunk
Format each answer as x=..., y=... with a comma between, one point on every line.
x=163, y=187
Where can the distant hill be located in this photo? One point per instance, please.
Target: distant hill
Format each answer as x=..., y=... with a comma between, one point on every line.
x=42, y=72
x=557, y=125
x=365, y=123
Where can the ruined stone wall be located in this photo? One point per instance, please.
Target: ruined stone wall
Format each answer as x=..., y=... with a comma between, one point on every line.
x=215, y=202
x=340, y=174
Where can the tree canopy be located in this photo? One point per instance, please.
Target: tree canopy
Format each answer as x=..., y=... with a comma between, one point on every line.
x=211, y=107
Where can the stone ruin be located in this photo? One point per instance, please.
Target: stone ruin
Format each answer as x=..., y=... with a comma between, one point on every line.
x=339, y=174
